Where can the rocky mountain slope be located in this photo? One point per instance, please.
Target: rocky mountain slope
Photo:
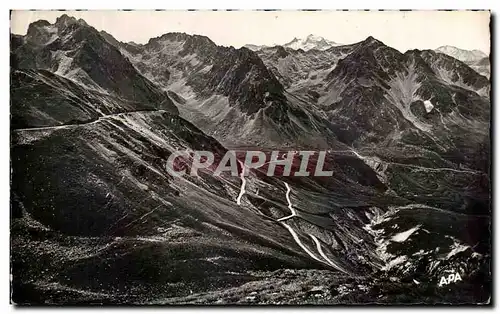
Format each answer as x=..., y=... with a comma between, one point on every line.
x=97, y=218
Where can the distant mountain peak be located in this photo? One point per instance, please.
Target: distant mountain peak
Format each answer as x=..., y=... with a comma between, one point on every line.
x=314, y=38
x=462, y=54
x=310, y=42
x=453, y=48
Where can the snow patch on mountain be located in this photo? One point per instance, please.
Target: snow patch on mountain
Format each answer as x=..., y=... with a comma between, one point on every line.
x=428, y=106
x=403, y=236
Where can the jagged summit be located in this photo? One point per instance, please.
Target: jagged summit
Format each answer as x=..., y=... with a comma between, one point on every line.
x=61, y=22
x=65, y=20
x=77, y=51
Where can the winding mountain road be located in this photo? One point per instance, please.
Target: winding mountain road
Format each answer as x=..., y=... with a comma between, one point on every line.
x=325, y=259
x=243, y=183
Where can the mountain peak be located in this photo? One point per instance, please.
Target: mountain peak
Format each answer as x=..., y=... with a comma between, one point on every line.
x=34, y=27
x=65, y=20
x=370, y=40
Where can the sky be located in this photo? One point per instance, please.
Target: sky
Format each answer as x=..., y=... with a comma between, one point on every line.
x=401, y=30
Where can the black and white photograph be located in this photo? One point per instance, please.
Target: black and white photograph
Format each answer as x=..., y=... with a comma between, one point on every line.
x=250, y=157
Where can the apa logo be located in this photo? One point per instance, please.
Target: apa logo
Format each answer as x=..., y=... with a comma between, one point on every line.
x=453, y=277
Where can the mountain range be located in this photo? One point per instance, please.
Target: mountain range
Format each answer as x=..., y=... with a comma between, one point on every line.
x=96, y=218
